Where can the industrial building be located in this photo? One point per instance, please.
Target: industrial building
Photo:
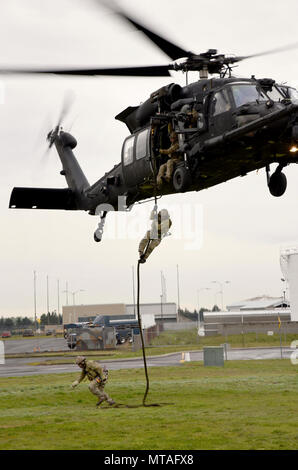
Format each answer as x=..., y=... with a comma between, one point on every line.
x=150, y=313
x=289, y=267
x=263, y=302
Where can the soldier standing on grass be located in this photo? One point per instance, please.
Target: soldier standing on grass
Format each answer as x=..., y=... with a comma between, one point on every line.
x=98, y=378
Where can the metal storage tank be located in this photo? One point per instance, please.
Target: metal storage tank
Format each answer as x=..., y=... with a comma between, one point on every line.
x=289, y=267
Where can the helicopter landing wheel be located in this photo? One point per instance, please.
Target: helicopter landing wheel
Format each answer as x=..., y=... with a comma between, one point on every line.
x=277, y=184
x=181, y=179
x=97, y=236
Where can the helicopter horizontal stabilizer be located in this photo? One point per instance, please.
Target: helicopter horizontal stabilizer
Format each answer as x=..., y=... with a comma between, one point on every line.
x=42, y=198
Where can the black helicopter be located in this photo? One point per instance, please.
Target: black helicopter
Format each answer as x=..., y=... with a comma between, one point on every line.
x=226, y=127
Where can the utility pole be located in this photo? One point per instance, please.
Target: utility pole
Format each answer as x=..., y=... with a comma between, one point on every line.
x=48, y=307
x=74, y=301
x=178, y=292
x=66, y=291
x=221, y=291
x=58, y=296
x=163, y=287
x=198, y=292
x=35, y=299
x=161, y=309
x=133, y=291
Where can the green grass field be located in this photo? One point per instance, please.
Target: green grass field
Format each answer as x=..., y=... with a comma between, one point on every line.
x=191, y=338
x=244, y=405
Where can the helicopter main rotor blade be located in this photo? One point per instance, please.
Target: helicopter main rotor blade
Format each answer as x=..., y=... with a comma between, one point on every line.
x=171, y=49
x=269, y=52
x=146, y=71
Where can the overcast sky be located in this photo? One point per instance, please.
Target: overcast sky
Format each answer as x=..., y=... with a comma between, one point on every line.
x=240, y=227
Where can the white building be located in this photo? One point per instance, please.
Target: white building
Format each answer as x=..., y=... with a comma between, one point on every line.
x=150, y=313
x=161, y=311
x=289, y=267
x=263, y=302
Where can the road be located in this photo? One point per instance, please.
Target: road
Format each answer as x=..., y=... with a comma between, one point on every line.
x=23, y=366
x=28, y=345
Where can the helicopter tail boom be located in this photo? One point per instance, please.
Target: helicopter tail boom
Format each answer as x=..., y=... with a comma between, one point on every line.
x=75, y=177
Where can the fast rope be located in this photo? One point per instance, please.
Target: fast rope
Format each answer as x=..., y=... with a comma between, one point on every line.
x=140, y=321
x=141, y=333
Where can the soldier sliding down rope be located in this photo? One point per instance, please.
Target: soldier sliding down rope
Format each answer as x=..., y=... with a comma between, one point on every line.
x=160, y=225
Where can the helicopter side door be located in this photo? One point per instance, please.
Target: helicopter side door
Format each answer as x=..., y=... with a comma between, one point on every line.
x=220, y=113
x=136, y=158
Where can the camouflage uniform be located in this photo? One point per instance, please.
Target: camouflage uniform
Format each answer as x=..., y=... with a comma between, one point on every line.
x=191, y=116
x=97, y=376
x=159, y=227
x=166, y=169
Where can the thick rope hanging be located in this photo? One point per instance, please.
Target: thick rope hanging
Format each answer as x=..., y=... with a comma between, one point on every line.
x=141, y=333
x=141, y=261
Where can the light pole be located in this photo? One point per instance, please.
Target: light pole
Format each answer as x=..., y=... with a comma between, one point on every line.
x=58, y=296
x=284, y=290
x=178, y=292
x=48, y=303
x=133, y=291
x=34, y=272
x=74, y=300
x=161, y=310
x=221, y=290
x=198, y=292
x=66, y=292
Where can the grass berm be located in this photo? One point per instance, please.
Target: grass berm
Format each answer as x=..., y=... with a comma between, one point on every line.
x=243, y=405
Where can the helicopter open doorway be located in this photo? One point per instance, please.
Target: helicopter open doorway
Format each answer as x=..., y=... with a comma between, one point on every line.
x=141, y=158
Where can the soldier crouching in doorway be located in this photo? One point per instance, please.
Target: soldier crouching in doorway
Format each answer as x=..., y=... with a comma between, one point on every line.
x=98, y=378
x=166, y=170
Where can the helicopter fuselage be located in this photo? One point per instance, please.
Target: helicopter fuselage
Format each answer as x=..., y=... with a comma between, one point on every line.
x=240, y=125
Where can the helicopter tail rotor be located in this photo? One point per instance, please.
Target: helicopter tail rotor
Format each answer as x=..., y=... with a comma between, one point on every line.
x=67, y=104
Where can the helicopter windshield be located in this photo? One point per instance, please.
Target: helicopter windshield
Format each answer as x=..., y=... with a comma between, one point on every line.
x=245, y=93
x=293, y=95
x=275, y=94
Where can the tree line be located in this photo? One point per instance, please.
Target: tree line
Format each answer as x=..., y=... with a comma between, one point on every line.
x=195, y=315
x=51, y=318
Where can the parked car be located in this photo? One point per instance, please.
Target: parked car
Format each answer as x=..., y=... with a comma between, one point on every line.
x=6, y=334
x=49, y=333
x=28, y=333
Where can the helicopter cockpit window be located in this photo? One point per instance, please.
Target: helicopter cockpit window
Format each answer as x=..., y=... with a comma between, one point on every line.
x=141, y=146
x=221, y=102
x=275, y=94
x=247, y=93
x=128, y=151
x=293, y=94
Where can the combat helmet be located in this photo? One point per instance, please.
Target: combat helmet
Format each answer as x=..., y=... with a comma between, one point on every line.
x=164, y=214
x=80, y=360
